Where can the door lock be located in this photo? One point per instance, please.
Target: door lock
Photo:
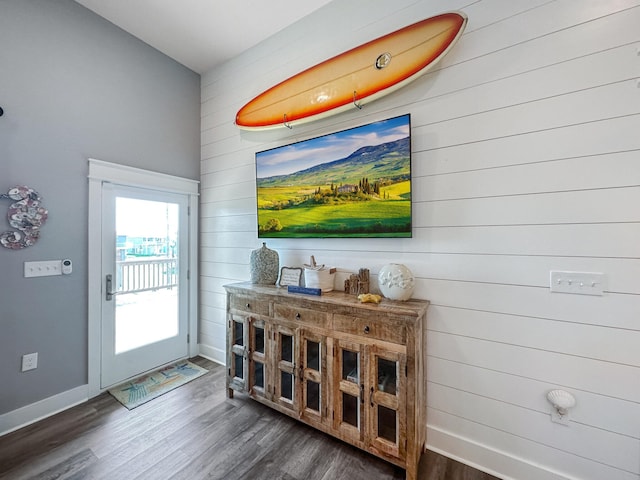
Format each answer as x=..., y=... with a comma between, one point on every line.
x=108, y=288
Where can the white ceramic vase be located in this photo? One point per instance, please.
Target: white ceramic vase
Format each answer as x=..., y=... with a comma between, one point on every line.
x=396, y=282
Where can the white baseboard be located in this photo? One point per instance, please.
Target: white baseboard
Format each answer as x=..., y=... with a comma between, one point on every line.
x=481, y=457
x=42, y=409
x=214, y=354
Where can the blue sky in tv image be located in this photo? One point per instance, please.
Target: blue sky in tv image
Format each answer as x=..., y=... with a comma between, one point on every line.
x=328, y=148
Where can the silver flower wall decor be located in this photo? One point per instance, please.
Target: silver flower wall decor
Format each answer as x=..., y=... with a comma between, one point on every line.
x=26, y=215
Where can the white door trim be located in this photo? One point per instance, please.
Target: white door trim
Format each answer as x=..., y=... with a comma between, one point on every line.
x=99, y=172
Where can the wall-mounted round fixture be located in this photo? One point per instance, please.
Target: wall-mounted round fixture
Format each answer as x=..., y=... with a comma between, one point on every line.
x=562, y=401
x=1, y=111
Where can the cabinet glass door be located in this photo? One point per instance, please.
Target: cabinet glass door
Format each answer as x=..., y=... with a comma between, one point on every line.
x=313, y=376
x=349, y=389
x=237, y=351
x=285, y=381
x=257, y=358
x=388, y=384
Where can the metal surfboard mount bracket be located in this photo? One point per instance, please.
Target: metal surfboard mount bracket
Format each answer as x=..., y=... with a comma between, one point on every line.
x=355, y=100
x=286, y=124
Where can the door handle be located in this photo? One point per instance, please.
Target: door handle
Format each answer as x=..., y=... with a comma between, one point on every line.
x=109, y=288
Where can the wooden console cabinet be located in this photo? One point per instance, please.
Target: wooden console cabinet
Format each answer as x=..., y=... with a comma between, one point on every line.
x=353, y=370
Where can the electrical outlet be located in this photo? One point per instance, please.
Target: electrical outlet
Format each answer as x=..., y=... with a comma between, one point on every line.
x=43, y=269
x=29, y=361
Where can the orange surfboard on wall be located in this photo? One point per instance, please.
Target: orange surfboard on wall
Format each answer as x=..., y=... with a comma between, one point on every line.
x=355, y=77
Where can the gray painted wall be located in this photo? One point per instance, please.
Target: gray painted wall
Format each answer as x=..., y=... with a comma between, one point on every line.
x=74, y=86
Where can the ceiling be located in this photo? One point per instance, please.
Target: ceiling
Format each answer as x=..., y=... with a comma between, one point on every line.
x=201, y=34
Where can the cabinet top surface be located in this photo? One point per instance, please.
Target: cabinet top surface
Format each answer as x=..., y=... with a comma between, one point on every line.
x=411, y=307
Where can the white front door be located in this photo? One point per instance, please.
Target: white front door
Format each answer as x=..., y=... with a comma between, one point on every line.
x=145, y=251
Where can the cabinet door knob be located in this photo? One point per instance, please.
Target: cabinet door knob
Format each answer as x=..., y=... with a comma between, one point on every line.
x=366, y=329
x=298, y=315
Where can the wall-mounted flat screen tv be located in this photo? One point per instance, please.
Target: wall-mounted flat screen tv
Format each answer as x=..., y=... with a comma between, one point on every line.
x=352, y=183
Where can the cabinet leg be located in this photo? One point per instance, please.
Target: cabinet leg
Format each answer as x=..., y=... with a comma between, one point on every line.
x=412, y=472
x=229, y=392
x=413, y=461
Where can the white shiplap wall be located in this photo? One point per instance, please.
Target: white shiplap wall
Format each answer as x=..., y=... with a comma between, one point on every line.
x=526, y=159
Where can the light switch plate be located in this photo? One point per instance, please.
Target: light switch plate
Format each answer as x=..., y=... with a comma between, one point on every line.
x=43, y=268
x=580, y=283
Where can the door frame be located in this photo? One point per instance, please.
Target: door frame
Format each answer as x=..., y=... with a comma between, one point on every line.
x=100, y=172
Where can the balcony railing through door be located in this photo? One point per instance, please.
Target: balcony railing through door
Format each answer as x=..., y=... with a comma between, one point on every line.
x=144, y=275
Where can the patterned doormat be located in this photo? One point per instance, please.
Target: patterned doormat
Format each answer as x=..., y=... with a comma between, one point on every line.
x=135, y=392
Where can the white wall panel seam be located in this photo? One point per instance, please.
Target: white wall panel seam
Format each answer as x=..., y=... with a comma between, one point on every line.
x=536, y=379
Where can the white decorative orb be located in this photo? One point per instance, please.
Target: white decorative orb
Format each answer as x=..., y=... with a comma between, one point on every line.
x=396, y=282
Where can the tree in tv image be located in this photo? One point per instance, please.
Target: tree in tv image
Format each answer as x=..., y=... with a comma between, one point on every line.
x=352, y=183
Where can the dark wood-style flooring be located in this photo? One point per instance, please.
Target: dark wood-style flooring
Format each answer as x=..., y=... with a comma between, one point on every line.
x=194, y=432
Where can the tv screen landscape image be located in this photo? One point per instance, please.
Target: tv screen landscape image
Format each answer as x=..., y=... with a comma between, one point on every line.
x=352, y=183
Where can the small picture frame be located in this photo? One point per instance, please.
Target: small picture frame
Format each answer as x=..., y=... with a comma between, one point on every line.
x=290, y=276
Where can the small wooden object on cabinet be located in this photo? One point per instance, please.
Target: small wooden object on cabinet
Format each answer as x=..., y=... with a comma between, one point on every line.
x=353, y=370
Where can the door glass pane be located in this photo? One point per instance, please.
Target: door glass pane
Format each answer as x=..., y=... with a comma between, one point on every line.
x=313, y=355
x=259, y=374
x=350, y=409
x=287, y=348
x=387, y=376
x=237, y=333
x=387, y=423
x=146, y=275
x=350, y=370
x=238, y=364
x=259, y=333
x=313, y=395
x=286, y=385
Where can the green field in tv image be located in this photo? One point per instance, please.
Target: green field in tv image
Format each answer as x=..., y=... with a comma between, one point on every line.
x=353, y=183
